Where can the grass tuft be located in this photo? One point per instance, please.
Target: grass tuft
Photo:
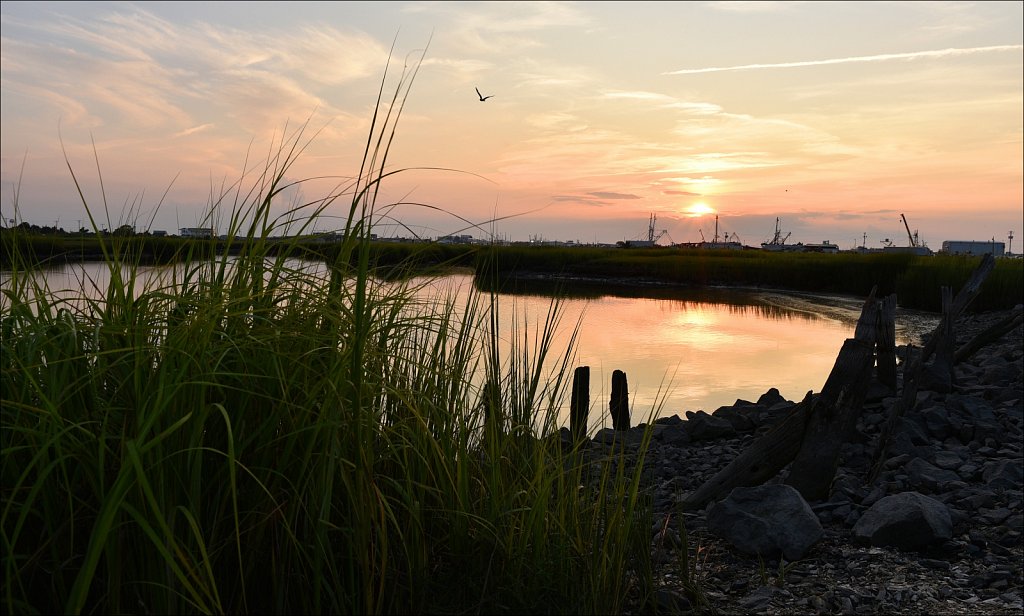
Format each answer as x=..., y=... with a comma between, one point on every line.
x=252, y=433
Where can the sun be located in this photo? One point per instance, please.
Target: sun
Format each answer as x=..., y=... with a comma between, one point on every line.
x=699, y=209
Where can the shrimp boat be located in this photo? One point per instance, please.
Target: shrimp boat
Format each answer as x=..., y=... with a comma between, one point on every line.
x=778, y=242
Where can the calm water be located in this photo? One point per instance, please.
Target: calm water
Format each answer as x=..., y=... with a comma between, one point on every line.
x=681, y=350
x=688, y=350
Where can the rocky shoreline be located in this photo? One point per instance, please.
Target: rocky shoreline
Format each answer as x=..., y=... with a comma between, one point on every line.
x=957, y=453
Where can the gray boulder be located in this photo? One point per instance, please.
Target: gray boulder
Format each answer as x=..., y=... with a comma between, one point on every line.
x=925, y=475
x=702, y=427
x=1004, y=474
x=771, y=398
x=766, y=520
x=609, y=436
x=908, y=521
x=936, y=421
x=739, y=417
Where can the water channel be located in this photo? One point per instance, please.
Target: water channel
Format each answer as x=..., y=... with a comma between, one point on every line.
x=681, y=349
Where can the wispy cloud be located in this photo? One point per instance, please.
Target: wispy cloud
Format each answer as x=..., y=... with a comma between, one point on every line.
x=579, y=199
x=757, y=6
x=914, y=55
x=132, y=69
x=612, y=195
x=639, y=95
x=500, y=27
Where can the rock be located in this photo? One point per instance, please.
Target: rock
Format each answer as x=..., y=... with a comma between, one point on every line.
x=914, y=431
x=770, y=398
x=908, y=521
x=671, y=434
x=608, y=436
x=936, y=421
x=877, y=391
x=766, y=520
x=1003, y=474
x=936, y=378
x=759, y=599
x=948, y=460
x=740, y=418
x=666, y=601
x=701, y=426
x=923, y=474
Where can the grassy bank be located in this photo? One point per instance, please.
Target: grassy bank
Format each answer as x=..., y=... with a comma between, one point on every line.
x=915, y=280
x=252, y=437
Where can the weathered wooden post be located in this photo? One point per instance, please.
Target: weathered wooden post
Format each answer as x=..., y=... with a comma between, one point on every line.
x=619, y=404
x=885, y=341
x=835, y=412
x=912, y=369
x=579, y=405
x=810, y=436
x=942, y=367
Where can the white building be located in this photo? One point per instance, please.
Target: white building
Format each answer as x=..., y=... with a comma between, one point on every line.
x=205, y=232
x=959, y=247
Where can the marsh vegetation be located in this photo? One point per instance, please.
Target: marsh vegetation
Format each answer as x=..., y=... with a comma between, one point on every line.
x=251, y=436
x=913, y=278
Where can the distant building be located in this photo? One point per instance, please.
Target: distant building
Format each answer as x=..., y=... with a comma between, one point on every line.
x=455, y=239
x=204, y=232
x=921, y=251
x=826, y=247
x=957, y=247
x=159, y=233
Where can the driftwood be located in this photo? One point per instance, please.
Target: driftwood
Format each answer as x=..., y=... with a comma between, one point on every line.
x=760, y=462
x=619, y=404
x=835, y=412
x=811, y=435
x=942, y=338
x=991, y=334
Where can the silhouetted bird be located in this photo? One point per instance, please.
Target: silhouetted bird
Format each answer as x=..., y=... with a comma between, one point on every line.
x=482, y=97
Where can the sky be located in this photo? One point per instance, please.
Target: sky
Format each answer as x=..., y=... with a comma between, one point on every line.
x=833, y=117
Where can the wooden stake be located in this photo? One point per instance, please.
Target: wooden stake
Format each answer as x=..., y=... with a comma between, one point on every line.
x=579, y=406
x=619, y=404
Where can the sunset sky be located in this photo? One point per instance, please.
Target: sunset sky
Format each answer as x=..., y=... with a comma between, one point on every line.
x=834, y=117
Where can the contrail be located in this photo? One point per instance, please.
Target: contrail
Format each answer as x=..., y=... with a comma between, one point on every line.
x=937, y=53
x=194, y=129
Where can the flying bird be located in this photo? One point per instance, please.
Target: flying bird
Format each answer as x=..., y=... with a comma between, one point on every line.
x=482, y=97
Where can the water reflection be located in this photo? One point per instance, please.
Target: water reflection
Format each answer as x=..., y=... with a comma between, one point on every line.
x=697, y=349
x=681, y=349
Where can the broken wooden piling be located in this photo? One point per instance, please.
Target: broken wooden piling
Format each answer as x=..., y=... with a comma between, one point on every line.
x=619, y=404
x=579, y=405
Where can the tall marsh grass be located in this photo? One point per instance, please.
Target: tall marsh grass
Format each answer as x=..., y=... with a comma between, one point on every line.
x=250, y=435
x=915, y=280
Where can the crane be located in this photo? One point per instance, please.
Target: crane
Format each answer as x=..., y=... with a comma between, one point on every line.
x=651, y=236
x=913, y=237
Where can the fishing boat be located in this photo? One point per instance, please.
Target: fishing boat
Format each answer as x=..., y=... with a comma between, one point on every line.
x=778, y=242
